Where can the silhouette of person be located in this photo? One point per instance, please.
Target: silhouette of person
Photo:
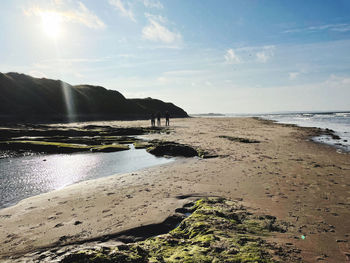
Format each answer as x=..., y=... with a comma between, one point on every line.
x=153, y=120
x=167, y=118
x=158, y=118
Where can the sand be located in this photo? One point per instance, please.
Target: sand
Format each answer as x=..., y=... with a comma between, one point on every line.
x=286, y=175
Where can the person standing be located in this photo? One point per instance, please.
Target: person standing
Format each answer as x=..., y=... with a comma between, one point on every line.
x=158, y=118
x=167, y=118
x=153, y=120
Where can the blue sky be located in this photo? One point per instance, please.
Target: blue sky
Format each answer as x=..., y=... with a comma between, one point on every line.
x=228, y=56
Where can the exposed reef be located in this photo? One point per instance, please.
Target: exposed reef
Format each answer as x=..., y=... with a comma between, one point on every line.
x=216, y=230
x=56, y=147
x=24, y=139
x=30, y=139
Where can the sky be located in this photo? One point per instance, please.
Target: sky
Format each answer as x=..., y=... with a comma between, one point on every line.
x=222, y=56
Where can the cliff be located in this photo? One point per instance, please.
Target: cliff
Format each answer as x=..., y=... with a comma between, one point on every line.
x=28, y=99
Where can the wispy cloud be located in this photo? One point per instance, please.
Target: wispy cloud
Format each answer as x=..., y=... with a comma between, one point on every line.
x=124, y=8
x=37, y=74
x=293, y=75
x=81, y=15
x=249, y=54
x=337, y=82
x=264, y=55
x=189, y=72
x=343, y=27
x=157, y=31
x=231, y=57
x=153, y=4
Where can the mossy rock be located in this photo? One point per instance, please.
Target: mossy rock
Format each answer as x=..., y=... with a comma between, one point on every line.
x=217, y=231
x=43, y=146
x=141, y=145
x=110, y=148
x=59, y=147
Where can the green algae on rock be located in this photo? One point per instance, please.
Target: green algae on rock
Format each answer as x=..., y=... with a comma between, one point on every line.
x=60, y=147
x=218, y=230
x=110, y=148
x=43, y=146
x=32, y=138
x=141, y=145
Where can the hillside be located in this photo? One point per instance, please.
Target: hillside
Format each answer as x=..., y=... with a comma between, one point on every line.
x=28, y=99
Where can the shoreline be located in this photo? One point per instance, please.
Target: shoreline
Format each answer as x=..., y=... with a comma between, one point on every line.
x=333, y=135
x=262, y=175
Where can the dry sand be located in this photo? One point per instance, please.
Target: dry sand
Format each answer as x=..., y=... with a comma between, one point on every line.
x=285, y=175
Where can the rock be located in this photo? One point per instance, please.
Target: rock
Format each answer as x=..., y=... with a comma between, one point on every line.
x=218, y=230
x=172, y=149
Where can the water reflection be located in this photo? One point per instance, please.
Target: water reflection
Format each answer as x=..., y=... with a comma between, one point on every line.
x=23, y=177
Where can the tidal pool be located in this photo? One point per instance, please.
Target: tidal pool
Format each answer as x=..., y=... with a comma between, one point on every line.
x=23, y=177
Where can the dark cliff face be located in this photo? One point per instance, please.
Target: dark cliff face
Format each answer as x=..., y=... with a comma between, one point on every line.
x=24, y=98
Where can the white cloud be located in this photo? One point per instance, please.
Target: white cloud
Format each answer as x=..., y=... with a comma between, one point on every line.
x=152, y=4
x=156, y=31
x=231, y=57
x=335, y=81
x=81, y=15
x=159, y=18
x=208, y=83
x=121, y=7
x=246, y=54
x=264, y=55
x=293, y=75
x=37, y=74
x=344, y=27
x=189, y=72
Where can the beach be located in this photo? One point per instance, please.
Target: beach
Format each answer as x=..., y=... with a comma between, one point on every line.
x=270, y=168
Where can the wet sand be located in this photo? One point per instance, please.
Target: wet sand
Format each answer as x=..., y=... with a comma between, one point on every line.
x=285, y=175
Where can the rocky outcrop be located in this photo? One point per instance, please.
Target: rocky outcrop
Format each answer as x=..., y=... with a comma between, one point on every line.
x=217, y=230
x=171, y=149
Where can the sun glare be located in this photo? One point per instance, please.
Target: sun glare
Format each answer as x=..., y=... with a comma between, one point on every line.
x=51, y=22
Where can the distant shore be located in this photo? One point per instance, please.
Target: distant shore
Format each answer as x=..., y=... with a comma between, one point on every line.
x=271, y=168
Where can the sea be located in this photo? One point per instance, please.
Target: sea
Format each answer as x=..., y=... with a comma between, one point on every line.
x=339, y=122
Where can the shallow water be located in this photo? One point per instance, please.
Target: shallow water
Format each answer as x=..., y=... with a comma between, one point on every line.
x=23, y=177
x=336, y=121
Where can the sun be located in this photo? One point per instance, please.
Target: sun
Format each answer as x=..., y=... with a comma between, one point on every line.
x=52, y=24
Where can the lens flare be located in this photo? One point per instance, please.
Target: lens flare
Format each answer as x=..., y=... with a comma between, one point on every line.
x=51, y=23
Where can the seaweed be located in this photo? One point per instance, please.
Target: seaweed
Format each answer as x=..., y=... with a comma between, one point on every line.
x=59, y=147
x=218, y=230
